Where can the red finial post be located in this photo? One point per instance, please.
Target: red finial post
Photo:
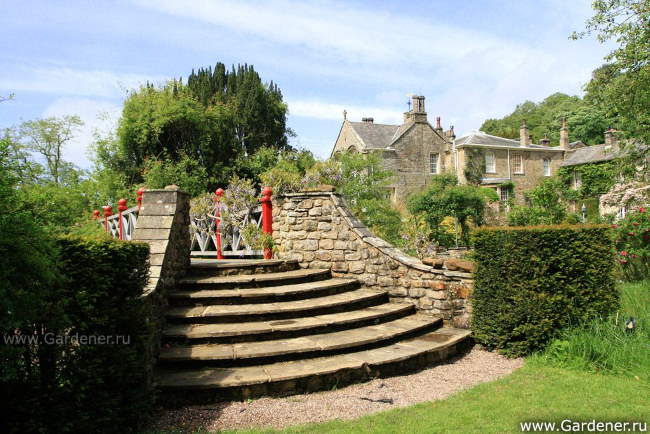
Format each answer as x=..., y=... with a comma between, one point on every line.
x=108, y=211
x=96, y=214
x=121, y=207
x=267, y=210
x=217, y=203
x=139, y=195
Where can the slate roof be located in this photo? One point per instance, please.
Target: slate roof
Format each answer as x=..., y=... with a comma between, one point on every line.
x=481, y=138
x=375, y=136
x=589, y=154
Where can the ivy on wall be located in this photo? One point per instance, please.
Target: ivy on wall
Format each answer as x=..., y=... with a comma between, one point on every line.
x=597, y=179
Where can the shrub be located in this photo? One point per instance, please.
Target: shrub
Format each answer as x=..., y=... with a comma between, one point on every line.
x=445, y=198
x=544, y=206
x=60, y=384
x=633, y=244
x=533, y=281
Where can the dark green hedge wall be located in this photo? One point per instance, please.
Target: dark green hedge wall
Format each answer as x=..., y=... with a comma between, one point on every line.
x=532, y=281
x=61, y=385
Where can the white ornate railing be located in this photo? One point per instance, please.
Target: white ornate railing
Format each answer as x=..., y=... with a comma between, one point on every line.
x=129, y=218
x=204, y=238
x=202, y=231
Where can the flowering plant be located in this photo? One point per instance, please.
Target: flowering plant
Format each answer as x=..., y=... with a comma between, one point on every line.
x=633, y=243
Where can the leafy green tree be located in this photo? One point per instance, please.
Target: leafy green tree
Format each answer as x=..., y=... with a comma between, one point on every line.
x=446, y=198
x=622, y=86
x=259, y=114
x=187, y=173
x=48, y=137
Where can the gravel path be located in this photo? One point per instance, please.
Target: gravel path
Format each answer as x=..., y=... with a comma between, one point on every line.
x=437, y=382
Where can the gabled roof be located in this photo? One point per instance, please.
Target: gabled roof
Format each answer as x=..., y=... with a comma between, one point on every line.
x=590, y=154
x=480, y=138
x=374, y=136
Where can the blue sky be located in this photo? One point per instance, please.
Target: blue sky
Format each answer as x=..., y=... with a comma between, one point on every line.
x=472, y=59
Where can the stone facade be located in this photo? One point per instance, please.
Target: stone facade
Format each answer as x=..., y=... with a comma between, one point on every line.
x=416, y=150
x=317, y=229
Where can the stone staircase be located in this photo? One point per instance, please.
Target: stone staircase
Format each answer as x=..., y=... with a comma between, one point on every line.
x=248, y=328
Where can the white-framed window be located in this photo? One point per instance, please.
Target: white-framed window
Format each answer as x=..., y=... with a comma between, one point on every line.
x=547, y=167
x=517, y=163
x=490, y=162
x=577, y=180
x=434, y=160
x=504, y=194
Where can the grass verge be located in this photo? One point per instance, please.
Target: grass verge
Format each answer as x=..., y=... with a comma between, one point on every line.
x=533, y=393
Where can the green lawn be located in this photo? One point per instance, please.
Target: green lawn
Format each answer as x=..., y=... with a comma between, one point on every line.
x=532, y=393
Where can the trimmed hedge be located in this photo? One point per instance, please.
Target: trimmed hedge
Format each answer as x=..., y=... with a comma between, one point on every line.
x=62, y=384
x=533, y=281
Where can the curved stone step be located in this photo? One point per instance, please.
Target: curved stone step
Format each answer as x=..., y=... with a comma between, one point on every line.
x=278, y=310
x=318, y=288
x=264, y=330
x=311, y=374
x=253, y=280
x=227, y=267
x=310, y=345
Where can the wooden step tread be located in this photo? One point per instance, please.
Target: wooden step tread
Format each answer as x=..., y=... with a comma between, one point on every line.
x=250, y=278
x=199, y=331
x=281, y=290
x=211, y=378
x=330, y=301
x=350, y=338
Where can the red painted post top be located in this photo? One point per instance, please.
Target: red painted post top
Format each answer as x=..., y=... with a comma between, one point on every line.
x=267, y=210
x=96, y=214
x=139, y=195
x=108, y=211
x=218, y=194
x=121, y=205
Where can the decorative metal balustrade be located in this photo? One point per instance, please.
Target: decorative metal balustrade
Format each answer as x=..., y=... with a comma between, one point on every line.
x=129, y=218
x=206, y=236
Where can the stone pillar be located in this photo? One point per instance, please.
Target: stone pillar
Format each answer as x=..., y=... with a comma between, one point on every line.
x=164, y=223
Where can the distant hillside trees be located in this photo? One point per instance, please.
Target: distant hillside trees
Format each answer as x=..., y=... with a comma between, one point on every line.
x=217, y=118
x=587, y=122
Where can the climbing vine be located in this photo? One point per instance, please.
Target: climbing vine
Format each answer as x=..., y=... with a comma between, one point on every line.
x=597, y=178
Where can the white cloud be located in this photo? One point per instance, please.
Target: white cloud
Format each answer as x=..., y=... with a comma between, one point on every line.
x=97, y=115
x=68, y=81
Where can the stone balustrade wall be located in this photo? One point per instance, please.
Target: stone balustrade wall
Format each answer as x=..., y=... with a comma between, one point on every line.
x=317, y=229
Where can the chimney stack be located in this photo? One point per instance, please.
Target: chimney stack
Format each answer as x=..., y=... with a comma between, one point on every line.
x=451, y=135
x=524, y=137
x=610, y=138
x=368, y=120
x=438, y=125
x=417, y=113
x=564, y=135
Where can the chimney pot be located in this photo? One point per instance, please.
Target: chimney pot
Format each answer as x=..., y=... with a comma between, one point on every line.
x=368, y=120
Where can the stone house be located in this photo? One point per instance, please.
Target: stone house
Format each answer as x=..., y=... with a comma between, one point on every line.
x=416, y=150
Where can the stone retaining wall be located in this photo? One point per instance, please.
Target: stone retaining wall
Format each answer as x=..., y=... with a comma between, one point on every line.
x=317, y=229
